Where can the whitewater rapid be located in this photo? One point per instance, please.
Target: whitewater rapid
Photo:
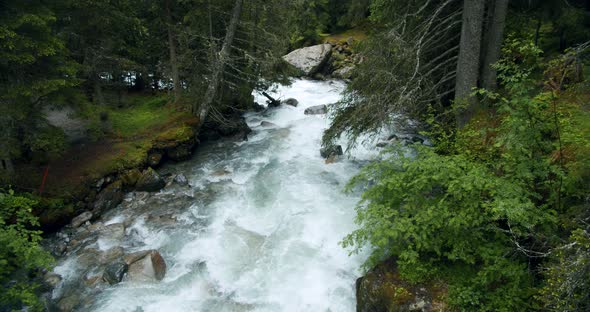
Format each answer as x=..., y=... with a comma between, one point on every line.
x=261, y=228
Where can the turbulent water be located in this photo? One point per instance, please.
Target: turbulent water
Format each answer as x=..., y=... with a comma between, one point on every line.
x=259, y=228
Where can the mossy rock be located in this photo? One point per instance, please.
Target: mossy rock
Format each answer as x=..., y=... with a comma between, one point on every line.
x=383, y=290
x=174, y=137
x=130, y=178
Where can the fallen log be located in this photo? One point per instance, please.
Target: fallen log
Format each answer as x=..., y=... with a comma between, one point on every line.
x=272, y=102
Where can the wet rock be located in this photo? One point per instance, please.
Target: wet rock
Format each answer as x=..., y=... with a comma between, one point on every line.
x=111, y=255
x=95, y=227
x=162, y=220
x=69, y=303
x=59, y=248
x=114, y=231
x=141, y=196
x=108, y=198
x=316, y=110
x=331, y=151
x=130, y=178
x=80, y=219
x=114, y=272
x=133, y=257
x=291, y=101
x=181, y=152
x=94, y=280
x=382, y=289
x=180, y=179
x=88, y=257
x=154, y=158
x=150, y=181
x=99, y=184
x=150, y=268
x=52, y=280
x=267, y=124
x=309, y=60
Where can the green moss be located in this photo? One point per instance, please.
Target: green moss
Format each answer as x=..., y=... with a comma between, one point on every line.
x=181, y=133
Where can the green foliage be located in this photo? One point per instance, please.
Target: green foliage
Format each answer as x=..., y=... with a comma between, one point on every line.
x=435, y=213
x=21, y=257
x=491, y=196
x=567, y=286
x=33, y=67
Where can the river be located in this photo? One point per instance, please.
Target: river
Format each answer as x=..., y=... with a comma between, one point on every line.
x=259, y=228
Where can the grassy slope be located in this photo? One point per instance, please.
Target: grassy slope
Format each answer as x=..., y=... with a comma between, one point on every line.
x=146, y=122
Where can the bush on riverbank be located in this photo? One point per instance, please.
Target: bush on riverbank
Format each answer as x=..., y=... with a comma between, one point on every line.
x=499, y=208
x=21, y=257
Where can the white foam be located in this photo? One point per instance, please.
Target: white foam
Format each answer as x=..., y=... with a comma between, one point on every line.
x=269, y=233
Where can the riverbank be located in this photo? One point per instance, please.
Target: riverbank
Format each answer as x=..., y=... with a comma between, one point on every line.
x=246, y=208
x=119, y=144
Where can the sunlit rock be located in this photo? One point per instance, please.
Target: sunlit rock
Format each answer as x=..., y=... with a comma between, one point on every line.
x=309, y=60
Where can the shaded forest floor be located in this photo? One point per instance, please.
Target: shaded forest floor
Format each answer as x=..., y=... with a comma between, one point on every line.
x=120, y=143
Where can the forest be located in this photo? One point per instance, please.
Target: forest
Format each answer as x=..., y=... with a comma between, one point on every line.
x=477, y=200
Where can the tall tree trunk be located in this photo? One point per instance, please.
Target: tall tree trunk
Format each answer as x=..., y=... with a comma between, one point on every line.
x=494, y=36
x=469, y=57
x=172, y=47
x=219, y=64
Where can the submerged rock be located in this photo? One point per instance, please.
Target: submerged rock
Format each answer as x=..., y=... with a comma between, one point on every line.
x=382, y=289
x=267, y=124
x=149, y=268
x=150, y=181
x=309, y=60
x=316, y=110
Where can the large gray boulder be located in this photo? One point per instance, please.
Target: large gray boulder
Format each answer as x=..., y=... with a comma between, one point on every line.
x=309, y=60
x=149, y=268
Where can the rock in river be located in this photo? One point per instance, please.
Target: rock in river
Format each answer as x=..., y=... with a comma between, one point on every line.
x=291, y=101
x=316, y=110
x=114, y=272
x=109, y=198
x=309, y=60
x=149, y=268
x=150, y=181
x=331, y=151
x=79, y=220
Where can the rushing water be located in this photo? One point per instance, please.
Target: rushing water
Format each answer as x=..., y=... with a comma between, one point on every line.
x=258, y=230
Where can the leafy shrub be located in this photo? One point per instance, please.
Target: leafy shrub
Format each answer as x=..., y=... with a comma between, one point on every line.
x=21, y=257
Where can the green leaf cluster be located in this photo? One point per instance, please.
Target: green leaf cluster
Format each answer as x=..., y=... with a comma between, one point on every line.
x=21, y=257
x=492, y=204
